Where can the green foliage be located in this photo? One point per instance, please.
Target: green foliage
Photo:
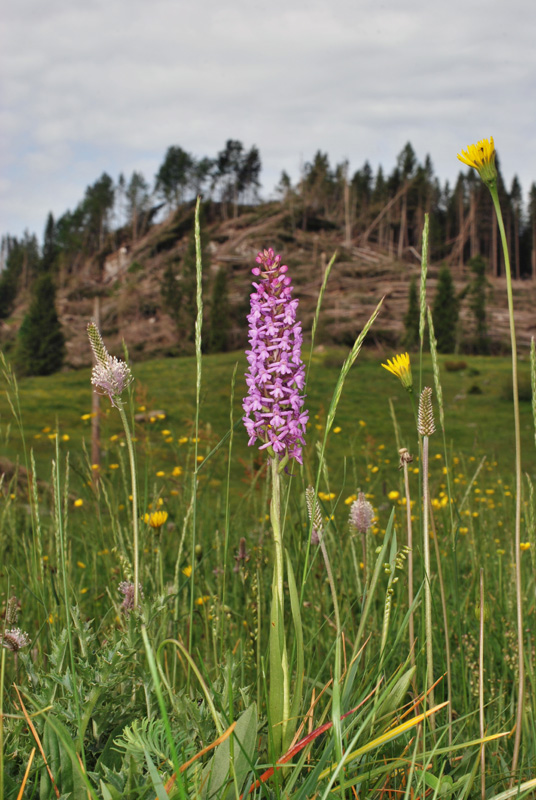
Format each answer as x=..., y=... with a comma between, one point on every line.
x=445, y=312
x=41, y=343
x=478, y=297
x=21, y=264
x=411, y=318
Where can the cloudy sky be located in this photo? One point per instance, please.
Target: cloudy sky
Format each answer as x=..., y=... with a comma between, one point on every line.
x=107, y=85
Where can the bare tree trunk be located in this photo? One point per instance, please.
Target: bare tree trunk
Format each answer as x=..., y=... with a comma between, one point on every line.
x=95, y=406
x=473, y=238
x=402, y=232
x=347, y=218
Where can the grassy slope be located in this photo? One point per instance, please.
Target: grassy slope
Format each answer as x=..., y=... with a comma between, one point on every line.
x=477, y=424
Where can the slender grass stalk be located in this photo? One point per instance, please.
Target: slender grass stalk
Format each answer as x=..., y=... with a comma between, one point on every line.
x=198, y=365
x=481, y=687
x=533, y=382
x=406, y=459
x=426, y=429
x=135, y=524
x=422, y=291
x=2, y=678
x=317, y=311
x=227, y=509
x=517, y=437
x=62, y=546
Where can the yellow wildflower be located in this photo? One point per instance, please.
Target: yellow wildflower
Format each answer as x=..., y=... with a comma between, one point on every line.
x=156, y=519
x=202, y=600
x=524, y=545
x=176, y=472
x=337, y=429
x=394, y=495
x=183, y=440
x=79, y=502
x=160, y=473
x=401, y=367
x=114, y=466
x=481, y=157
x=187, y=571
x=80, y=564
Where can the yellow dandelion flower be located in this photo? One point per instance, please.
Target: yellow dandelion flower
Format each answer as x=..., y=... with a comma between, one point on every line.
x=481, y=156
x=187, y=571
x=160, y=473
x=78, y=502
x=176, y=472
x=349, y=500
x=200, y=458
x=80, y=564
x=65, y=437
x=524, y=545
x=156, y=519
x=200, y=601
x=401, y=367
x=362, y=423
x=183, y=440
x=142, y=408
x=337, y=429
x=394, y=495
x=114, y=466
x=84, y=590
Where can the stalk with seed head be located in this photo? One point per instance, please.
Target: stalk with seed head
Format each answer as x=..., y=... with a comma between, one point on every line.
x=426, y=428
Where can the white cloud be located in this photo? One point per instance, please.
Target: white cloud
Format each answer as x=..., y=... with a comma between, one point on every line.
x=108, y=86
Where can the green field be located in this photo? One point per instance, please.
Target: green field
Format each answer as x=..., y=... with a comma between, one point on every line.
x=133, y=697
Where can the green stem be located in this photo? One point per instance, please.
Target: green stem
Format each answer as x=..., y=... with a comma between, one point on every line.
x=2, y=676
x=135, y=536
x=427, y=576
x=275, y=518
x=517, y=429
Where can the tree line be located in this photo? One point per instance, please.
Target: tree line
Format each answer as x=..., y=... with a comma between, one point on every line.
x=368, y=208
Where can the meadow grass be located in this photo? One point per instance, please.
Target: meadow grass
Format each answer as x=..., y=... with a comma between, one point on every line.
x=133, y=704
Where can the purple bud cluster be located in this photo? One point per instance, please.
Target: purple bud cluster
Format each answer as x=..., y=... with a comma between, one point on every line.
x=276, y=374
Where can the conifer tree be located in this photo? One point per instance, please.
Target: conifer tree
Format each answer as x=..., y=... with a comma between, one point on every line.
x=477, y=291
x=445, y=312
x=411, y=318
x=41, y=343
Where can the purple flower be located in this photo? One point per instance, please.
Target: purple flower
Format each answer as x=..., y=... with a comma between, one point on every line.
x=276, y=374
x=361, y=514
x=110, y=375
x=127, y=589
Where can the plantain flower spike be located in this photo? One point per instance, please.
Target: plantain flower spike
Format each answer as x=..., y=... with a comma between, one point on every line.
x=361, y=514
x=110, y=376
x=481, y=156
x=425, y=423
x=315, y=515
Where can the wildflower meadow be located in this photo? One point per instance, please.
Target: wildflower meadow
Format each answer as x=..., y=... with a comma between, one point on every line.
x=293, y=572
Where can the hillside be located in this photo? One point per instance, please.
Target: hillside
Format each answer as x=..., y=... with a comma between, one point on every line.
x=129, y=280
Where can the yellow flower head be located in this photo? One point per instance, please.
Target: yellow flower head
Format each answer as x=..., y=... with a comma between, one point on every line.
x=481, y=157
x=401, y=367
x=524, y=545
x=156, y=519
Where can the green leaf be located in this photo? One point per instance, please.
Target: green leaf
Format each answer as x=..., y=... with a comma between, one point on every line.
x=276, y=676
x=155, y=778
x=296, y=618
x=218, y=771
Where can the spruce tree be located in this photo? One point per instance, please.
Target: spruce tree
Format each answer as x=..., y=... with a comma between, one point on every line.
x=411, y=318
x=477, y=291
x=41, y=344
x=445, y=312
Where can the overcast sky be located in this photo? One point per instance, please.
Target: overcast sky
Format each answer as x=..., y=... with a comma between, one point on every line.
x=107, y=85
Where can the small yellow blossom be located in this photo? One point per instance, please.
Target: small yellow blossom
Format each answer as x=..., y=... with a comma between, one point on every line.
x=78, y=502
x=362, y=423
x=350, y=499
x=401, y=367
x=183, y=440
x=165, y=433
x=95, y=467
x=200, y=458
x=481, y=156
x=80, y=564
x=524, y=545
x=156, y=519
x=394, y=495
x=142, y=408
x=84, y=590
x=160, y=473
x=65, y=437
x=52, y=436
x=114, y=466
x=200, y=601
x=176, y=472
x=337, y=429
x=114, y=438
x=187, y=571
